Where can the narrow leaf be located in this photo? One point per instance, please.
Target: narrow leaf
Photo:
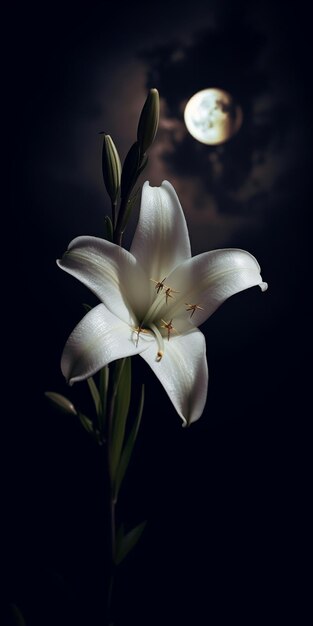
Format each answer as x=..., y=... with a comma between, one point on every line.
x=86, y=423
x=130, y=169
x=129, y=207
x=129, y=446
x=17, y=617
x=61, y=402
x=128, y=542
x=87, y=307
x=103, y=390
x=143, y=163
x=121, y=407
x=95, y=395
x=108, y=228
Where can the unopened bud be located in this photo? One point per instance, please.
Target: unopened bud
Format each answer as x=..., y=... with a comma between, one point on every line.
x=61, y=402
x=149, y=120
x=111, y=168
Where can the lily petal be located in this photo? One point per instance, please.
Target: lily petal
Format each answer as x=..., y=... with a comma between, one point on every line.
x=209, y=279
x=183, y=372
x=111, y=273
x=161, y=241
x=98, y=339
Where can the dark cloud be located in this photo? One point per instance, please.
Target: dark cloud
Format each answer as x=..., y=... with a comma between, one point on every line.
x=226, y=494
x=245, y=50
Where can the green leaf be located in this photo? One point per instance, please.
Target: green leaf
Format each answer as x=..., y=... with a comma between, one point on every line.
x=128, y=542
x=108, y=228
x=143, y=164
x=132, y=167
x=121, y=408
x=86, y=423
x=104, y=382
x=61, y=402
x=87, y=307
x=18, y=619
x=129, y=446
x=95, y=395
x=129, y=207
x=103, y=390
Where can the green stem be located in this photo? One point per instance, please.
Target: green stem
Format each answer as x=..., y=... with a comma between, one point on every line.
x=118, y=232
x=114, y=379
x=103, y=389
x=110, y=500
x=112, y=557
x=113, y=207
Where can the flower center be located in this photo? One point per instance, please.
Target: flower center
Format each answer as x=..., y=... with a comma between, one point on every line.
x=154, y=315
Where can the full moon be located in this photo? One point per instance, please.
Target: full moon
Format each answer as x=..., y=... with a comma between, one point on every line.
x=212, y=116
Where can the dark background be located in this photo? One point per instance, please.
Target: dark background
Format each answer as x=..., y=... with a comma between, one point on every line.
x=226, y=499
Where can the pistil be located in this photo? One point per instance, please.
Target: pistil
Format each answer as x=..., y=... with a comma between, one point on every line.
x=160, y=340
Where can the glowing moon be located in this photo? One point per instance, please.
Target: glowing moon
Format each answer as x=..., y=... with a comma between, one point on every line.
x=212, y=116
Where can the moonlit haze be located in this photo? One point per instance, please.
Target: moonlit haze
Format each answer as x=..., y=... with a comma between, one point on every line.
x=225, y=498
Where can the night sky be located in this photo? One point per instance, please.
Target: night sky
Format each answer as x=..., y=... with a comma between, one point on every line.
x=226, y=500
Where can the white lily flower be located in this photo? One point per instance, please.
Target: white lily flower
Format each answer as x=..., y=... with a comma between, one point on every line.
x=153, y=298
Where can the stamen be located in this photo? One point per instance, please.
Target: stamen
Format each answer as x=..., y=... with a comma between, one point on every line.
x=155, y=311
x=151, y=313
x=139, y=330
x=159, y=284
x=169, y=326
x=168, y=293
x=193, y=308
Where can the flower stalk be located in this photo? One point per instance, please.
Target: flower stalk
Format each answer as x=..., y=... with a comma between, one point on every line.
x=152, y=301
x=111, y=503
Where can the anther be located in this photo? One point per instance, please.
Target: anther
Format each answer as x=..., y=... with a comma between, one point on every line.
x=193, y=308
x=139, y=330
x=168, y=293
x=159, y=284
x=169, y=326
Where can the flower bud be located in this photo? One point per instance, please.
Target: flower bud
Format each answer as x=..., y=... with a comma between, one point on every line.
x=111, y=168
x=149, y=120
x=61, y=402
